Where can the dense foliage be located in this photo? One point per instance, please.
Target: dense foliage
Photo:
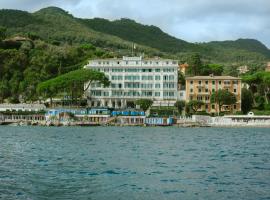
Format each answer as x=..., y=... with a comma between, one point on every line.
x=198, y=67
x=259, y=85
x=180, y=105
x=223, y=97
x=144, y=103
x=72, y=83
x=34, y=61
x=194, y=105
x=246, y=100
x=55, y=25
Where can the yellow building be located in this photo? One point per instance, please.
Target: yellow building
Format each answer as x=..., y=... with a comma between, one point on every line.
x=202, y=87
x=267, y=68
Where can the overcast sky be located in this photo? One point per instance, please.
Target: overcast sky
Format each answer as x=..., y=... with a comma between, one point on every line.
x=191, y=20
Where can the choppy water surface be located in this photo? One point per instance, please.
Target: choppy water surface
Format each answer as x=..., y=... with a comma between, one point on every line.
x=134, y=163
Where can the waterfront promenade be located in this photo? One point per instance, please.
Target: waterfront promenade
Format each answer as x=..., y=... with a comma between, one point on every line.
x=108, y=120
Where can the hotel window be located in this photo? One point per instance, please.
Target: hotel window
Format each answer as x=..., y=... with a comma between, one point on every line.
x=213, y=82
x=213, y=106
x=157, y=78
x=207, y=98
x=126, y=62
x=137, y=62
x=191, y=90
x=206, y=82
x=235, y=82
x=206, y=106
x=200, y=90
x=146, y=70
x=167, y=62
x=157, y=63
x=213, y=90
x=157, y=85
x=165, y=78
x=145, y=62
x=200, y=82
x=191, y=82
x=106, y=94
x=118, y=62
x=117, y=70
x=99, y=63
x=171, y=77
x=234, y=106
x=157, y=94
x=234, y=90
x=206, y=89
x=157, y=70
x=219, y=82
x=171, y=85
x=171, y=94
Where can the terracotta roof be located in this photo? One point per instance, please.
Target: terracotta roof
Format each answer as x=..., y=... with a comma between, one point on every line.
x=212, y=78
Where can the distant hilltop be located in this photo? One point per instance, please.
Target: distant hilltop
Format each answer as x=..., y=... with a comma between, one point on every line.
x=56, y=24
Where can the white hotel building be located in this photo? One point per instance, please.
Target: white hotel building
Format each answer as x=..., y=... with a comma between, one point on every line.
x=134, y=78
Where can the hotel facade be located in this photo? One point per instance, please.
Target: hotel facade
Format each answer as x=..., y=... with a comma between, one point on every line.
x=202, y=87
x=134, y=78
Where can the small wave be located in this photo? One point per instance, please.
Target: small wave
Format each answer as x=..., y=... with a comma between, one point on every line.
x=111, y=172
x=173, y=191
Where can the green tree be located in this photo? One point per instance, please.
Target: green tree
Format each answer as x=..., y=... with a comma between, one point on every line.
x=266, y=86
x=4, y=90
x=223, y=97
x=144, y=103
x=180, y=105
x=259, y=83
x=76, y=82
x=194, y=65
x=2, y=33
x=195, y=105
x=246, y=100
x=181, y=78
x=208, y=69
x=260, y=101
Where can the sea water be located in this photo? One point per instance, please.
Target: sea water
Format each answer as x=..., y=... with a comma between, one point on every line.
x=134, y=163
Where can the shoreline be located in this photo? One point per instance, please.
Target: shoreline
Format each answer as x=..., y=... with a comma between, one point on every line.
x=187, y=125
